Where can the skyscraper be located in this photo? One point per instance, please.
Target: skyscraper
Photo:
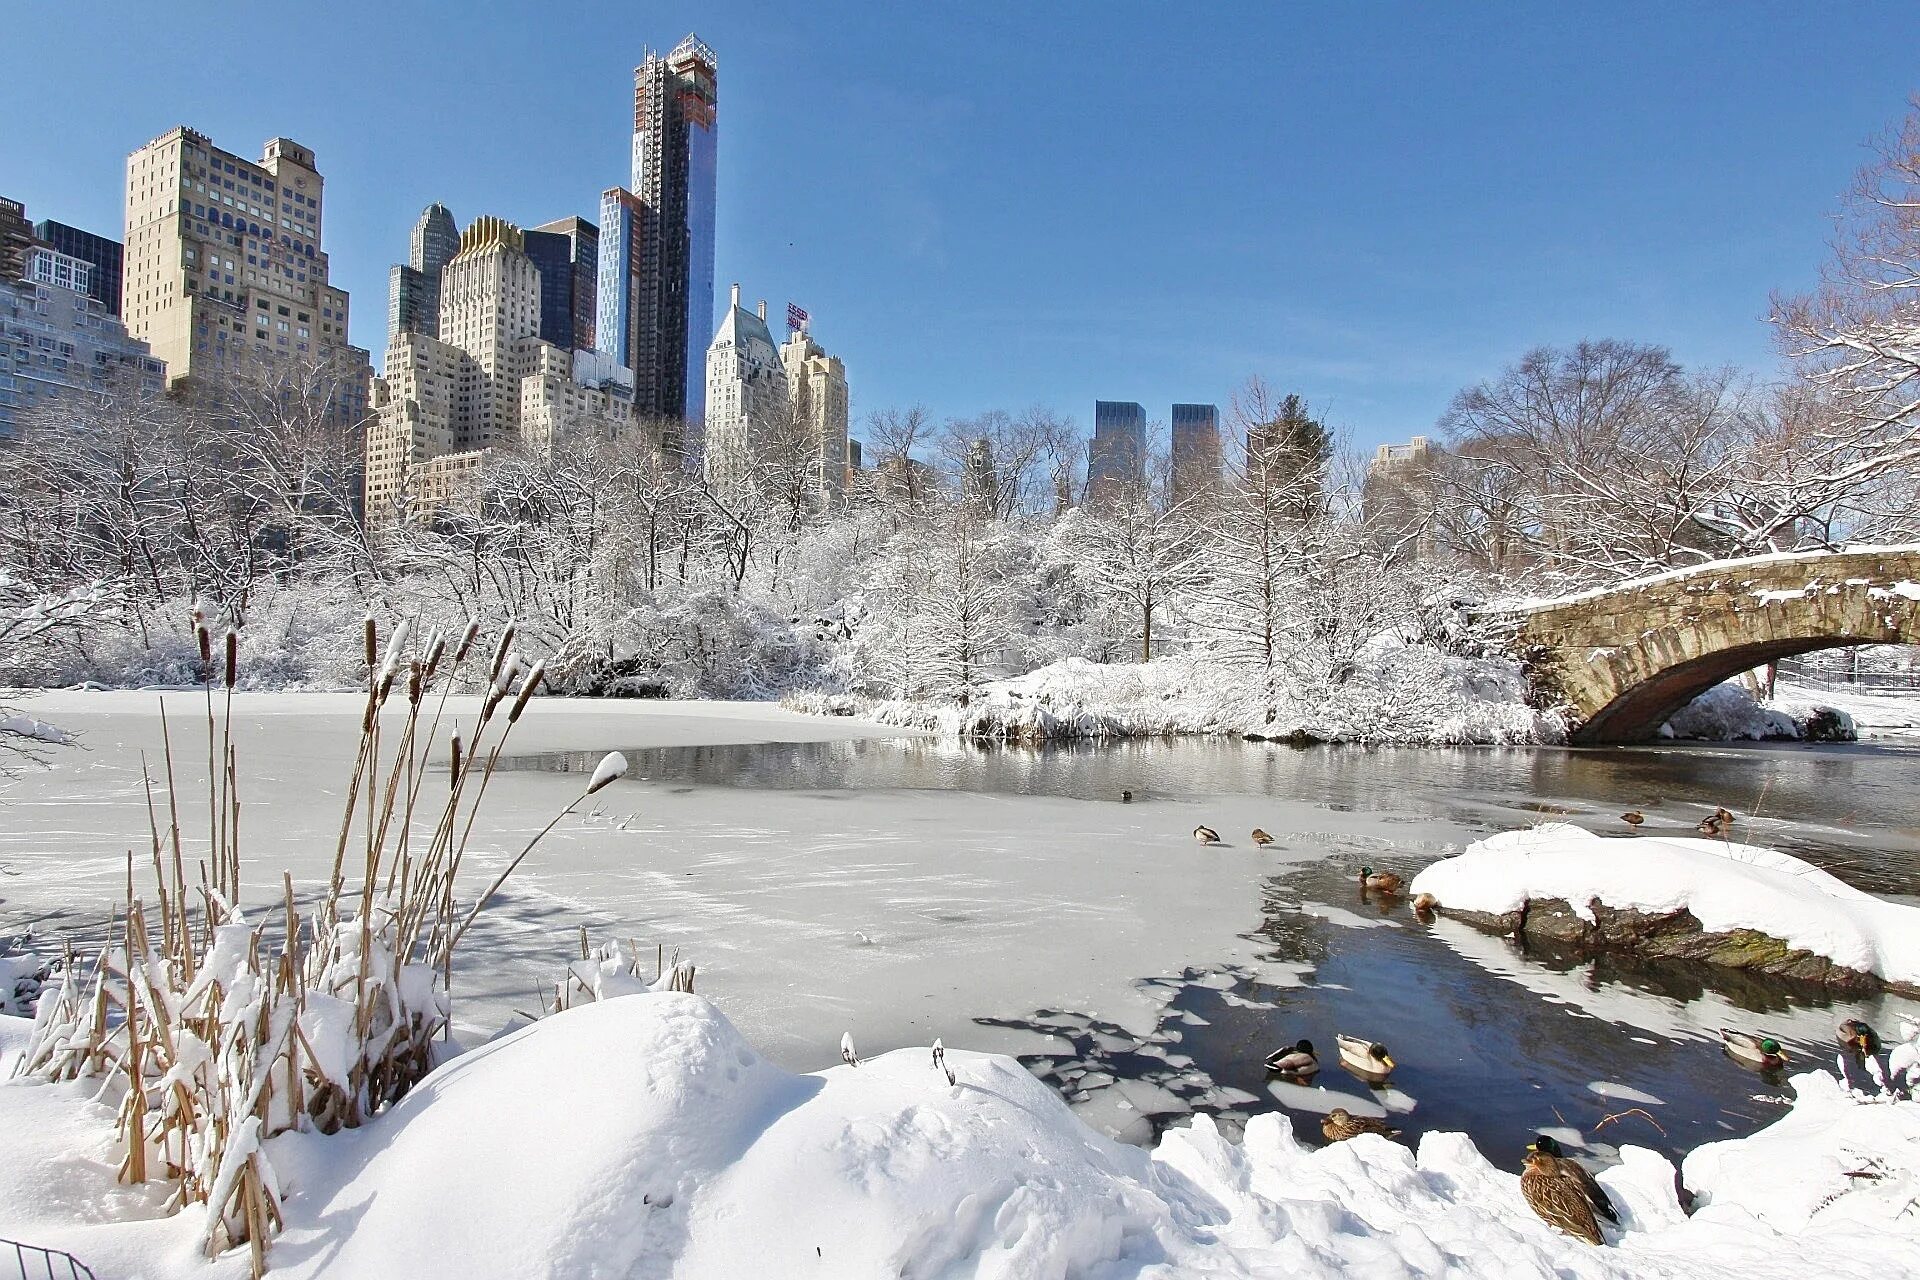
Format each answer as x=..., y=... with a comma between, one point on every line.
x=413, y=289
x=747, y=395
x=487, y=380
x=223, y=261
x=101, y=253
x=567, y=252
x=1117, y=458
x=1195, y=450
x=817, y=388
x=663, y=255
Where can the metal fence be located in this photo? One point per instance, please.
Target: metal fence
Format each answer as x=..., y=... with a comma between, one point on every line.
x=35, y=1263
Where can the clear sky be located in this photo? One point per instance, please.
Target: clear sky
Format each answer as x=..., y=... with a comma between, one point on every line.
x=995, y=205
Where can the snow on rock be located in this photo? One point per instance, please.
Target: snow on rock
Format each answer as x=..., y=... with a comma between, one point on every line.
x=1727, y=886
x=1728, y=712
x=643, y=1136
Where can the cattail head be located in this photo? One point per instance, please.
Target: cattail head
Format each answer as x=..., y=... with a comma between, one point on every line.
x=233, y=656
x=500, y=652
x=466, y=641
x=456, y=759
x=205, y=638
x=527, y=687
x=612, y=766
x=436, y=650
x=371, y=631
x=416, y=681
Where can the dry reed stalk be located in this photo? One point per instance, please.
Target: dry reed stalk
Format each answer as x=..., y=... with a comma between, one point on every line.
x=210, y=1030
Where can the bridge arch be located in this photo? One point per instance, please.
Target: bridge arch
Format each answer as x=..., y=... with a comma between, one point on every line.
x=1621, y=660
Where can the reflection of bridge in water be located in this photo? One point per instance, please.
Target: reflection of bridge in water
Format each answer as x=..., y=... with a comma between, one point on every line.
x=1625, y=658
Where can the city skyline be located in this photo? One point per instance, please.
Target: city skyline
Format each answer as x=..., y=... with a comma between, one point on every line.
x=1374, y=298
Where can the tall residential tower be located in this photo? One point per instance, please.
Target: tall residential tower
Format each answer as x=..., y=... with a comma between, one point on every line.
x=1117, y=457
x=223, y=261
x=655, y=304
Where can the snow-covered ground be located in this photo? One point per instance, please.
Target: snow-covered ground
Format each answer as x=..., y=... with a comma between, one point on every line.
x=644, y=1136
x=1875, y=713
x=1724, y=884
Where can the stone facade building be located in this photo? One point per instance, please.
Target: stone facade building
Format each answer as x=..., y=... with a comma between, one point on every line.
x=488, y=380
x=817, y=390
x=746, y=394
x=223, y=263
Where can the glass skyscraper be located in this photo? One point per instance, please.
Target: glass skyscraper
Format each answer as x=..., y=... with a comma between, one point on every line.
x=102, y=253
x=1195, y=450
x=1117, y=458
x=661, y=259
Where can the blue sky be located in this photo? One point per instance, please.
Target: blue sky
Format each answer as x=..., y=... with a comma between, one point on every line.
x=997, y=205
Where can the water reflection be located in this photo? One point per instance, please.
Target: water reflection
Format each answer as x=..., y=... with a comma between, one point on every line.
x=1851, y=808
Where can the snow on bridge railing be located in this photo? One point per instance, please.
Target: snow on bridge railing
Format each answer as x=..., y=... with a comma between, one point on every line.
x=1539, y=604
x=35, y=1263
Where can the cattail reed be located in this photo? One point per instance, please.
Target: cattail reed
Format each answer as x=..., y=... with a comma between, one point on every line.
x=383, y=943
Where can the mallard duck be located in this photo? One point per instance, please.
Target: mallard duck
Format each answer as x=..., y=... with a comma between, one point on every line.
x=1756, y=1051
x=1557, y=1198
x=1716, y=824
x=1859, y=1038
x=1342, y=1124
x=1297, y=1061
x=1425, y=904
x=1206, y=835
x=1364, y=1057
x=1570, y=1168
x=1261, y=838
x=1381, y=881
x=1126, y=797
x=1633, y=817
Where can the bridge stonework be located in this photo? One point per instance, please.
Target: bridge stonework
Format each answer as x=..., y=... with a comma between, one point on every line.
x=1622, y=660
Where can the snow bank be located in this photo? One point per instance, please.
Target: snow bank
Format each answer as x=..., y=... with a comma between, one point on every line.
x=1728, y=712
x=1727, y=886
x=644, y=1136
x=1397, y=694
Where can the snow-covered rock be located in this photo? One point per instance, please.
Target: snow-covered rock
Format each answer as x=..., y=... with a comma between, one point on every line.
x=1728, y=712
x=1726, y=886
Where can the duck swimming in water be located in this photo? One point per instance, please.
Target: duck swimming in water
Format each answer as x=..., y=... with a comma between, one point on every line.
x=1365, y=1058
x=1381, y=881
x=1297, y=1061
x=1763, y=1052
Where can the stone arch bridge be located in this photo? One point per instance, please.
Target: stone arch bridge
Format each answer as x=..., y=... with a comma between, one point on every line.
x=1623, y=659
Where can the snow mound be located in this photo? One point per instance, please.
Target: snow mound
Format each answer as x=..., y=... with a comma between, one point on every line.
x=643, y=1136
x=1727, y=886
x=1728, y=713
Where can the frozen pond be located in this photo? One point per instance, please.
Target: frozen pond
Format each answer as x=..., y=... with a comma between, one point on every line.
x=826, y=879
